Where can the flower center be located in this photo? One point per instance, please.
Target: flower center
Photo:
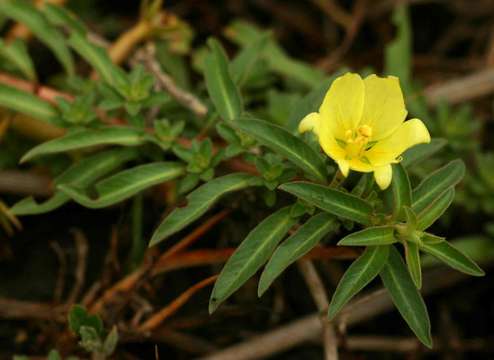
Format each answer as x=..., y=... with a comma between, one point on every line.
x=356, y=141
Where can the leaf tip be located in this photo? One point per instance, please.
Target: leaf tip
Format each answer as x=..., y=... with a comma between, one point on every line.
x=25, y=158
x=213, y=305
x=155, y=239
x=427, y=341
x=332, y=311
x=262, y=287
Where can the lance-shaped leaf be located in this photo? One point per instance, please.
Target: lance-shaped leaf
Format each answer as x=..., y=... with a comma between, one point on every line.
x=372, y=236
x=199, y=201
x=436, y=184
x=61, y=16
x=81, y=174
x=412, y=256
x=421, y=152
x=16, y=53
x=98, y=58
x=125, y=184
x=296, y=246
x=406, y=297
x=26, y=103
x=282, y=142
x=431, y=213
x=247, y=58
x=338, y=203
x=85, y=138
x=445, y=252
x=28, y=15
x=402, y=191
x=223, y=91
x=252, y=253
x=359, y=274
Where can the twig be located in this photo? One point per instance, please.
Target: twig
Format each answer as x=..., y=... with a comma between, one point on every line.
x=309, y=327
x=25, y=183
x=146, y=55
x=17, y=309
x=358, y=15
x=81, y=245
x=154, y=321
x=62, y=271
x=456, y=91
x=123, y=286
x=334, y=11
x=318, y=292
x=202, y=257
x=190, y=238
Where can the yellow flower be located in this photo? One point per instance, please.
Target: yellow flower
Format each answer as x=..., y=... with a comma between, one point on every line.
x=361, y=125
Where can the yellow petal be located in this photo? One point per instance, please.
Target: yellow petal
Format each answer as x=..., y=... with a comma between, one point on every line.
x=344, y=167
x=383, y=176
x=384, y=107
x=359, y=165
x=343, y=104
x=330, y=145
x=409, y=133
x=310, y=123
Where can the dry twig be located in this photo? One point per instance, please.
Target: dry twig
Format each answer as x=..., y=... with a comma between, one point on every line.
x=318, y=292
x=81, y=245
x=154, y=321
x=146, y=55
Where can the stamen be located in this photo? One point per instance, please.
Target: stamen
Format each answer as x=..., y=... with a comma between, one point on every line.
x=356, y=141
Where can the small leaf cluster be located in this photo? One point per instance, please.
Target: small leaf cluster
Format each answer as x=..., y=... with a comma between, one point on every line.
x=89, y=328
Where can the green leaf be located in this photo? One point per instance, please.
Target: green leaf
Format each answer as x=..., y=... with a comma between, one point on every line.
x=411, y=218
x=309, y=103
x=26, y=103
x=372, y=236
x=280, y=62
x=60, y=16
x=436, y=184
x=421, y=152
x=281, y=141
x=81, y=174
x=199, y=201
x=359, y=274
x=244, y=34
x=252, y=253
x=434, y=211
x=406, y=297
x=333, y=201
x=125, y=184
x=244, y=62
x=90, y=339
x=54, y=355
x=296, y=246
x=402, y=191
x=398, y=54
x=28, y=15
x=223, y=91
x=79, y=317
x=16, y=53
x=84, y=138
x=111, y=341
x=98, y=58
x=447, y=253
x=412, y=256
